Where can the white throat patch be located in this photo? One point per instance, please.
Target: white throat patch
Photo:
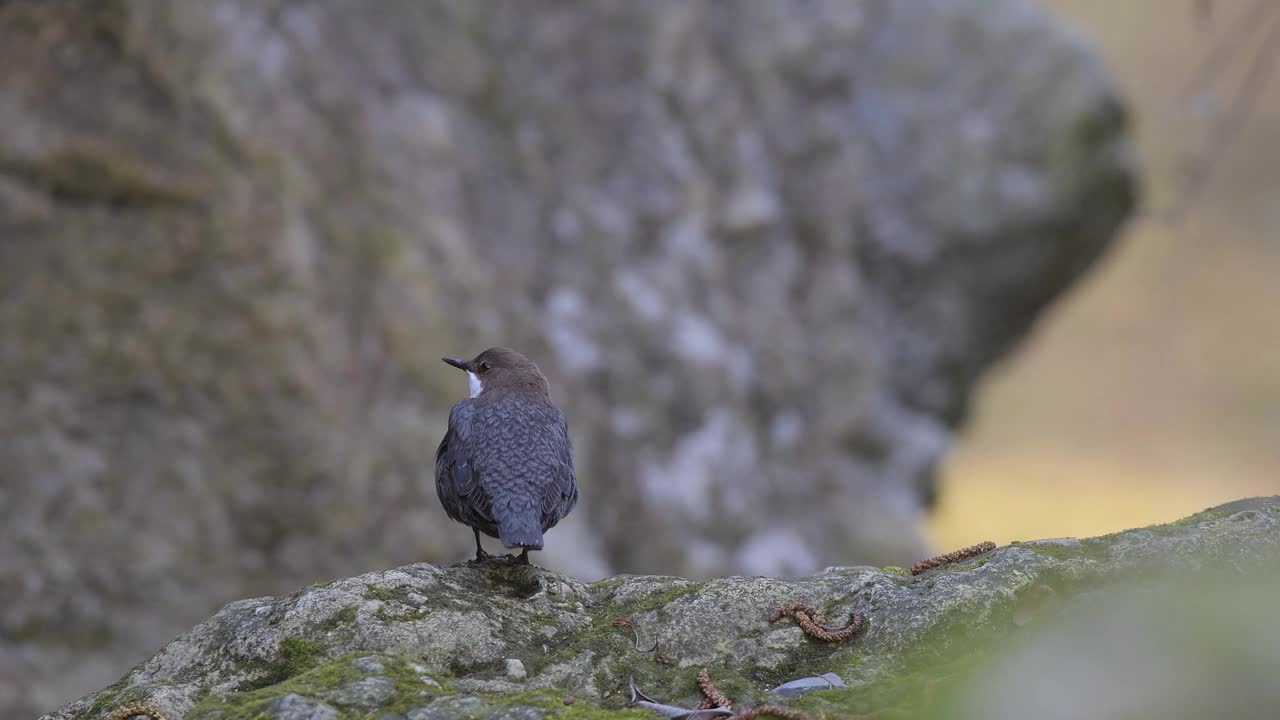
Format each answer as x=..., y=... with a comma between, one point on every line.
x=474, y=382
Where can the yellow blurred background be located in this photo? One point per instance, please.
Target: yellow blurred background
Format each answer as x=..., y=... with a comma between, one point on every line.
x=1153, y=389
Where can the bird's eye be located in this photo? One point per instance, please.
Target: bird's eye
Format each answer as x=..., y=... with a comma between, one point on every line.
x=484, y=367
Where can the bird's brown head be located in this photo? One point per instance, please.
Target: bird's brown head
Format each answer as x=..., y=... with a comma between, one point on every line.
x=498, y=371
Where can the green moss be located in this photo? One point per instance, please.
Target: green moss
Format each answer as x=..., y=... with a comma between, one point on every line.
x=605, y=640
x=1091, y=549
x=965, y=567
x=345, y=616
x=665, y=597
x=398, y=594
x=297, y=654
x=1203, y=517
x=605, y=585
x=1179, y=527
x=103, y=703
x=114, y=697
x=409, y=614
x=313, y=684
x=895, y=570
x=412, y=691
x=907, y=688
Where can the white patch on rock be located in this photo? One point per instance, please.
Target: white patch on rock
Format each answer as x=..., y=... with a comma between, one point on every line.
x=741, y=368
x=574, y=549
x=779, y=551
x=722, y=449
x=786, y=430
x=704, y=556
x=697, y=340
x=565, y=223
x=515, y=669
x=687, y=239
x=749, y=207
x=627, y=422
x=566, y=317
x=643, y=298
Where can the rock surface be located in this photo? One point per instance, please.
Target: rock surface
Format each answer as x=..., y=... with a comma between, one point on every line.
x=763, y=248
x=422, y=641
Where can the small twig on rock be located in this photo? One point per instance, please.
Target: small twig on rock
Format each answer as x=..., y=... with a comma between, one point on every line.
x=626, y=622
x=956, y=556
x=636, y=632
x=813, y=622
x=124, y=712
x=714, y=698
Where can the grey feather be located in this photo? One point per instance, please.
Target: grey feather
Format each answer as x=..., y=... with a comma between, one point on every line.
x=505, y=467
x=457, y=483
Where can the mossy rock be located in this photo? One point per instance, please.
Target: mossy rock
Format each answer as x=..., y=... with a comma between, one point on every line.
x=423, y=641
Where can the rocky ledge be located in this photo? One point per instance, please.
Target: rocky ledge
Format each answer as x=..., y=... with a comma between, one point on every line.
x=499, y=640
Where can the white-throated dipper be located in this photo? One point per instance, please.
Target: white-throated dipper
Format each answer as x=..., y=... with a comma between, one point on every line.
x=505, y=465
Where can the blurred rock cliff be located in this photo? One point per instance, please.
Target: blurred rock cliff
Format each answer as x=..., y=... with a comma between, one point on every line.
x=763, y=249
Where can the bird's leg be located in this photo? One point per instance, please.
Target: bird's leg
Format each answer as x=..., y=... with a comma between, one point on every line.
x=524, y=557
x=480, y=553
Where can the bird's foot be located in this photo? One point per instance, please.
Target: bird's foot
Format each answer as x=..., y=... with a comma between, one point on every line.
x=482, y=555
x=523, y=558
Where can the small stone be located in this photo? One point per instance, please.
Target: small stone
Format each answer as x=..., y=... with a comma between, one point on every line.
x=569, y=699
x=455, y=707
x=369, y=692
x=369, y=665
x=415, y=599
x=295, y=707
x=515, y=669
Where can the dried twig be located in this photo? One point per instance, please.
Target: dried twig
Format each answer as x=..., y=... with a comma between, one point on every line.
x=124, y=712
x=717, y=699
x=635, y=631
x=813, y=622
x=626, y=622
x=956, y=556
x=714, y=698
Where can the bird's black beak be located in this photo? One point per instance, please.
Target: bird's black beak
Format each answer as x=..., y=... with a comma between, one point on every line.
x=460, y=364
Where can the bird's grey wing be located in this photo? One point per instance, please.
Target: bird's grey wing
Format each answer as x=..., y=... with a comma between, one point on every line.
x=457, y=480
x=561, y=494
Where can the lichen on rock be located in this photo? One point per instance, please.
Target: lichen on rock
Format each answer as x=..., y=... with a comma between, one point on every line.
x=442, y=642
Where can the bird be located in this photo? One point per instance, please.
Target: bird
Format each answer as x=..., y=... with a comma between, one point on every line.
x=505, y=465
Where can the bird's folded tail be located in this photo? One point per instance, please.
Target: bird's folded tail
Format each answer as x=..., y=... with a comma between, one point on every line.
x=520, y=532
